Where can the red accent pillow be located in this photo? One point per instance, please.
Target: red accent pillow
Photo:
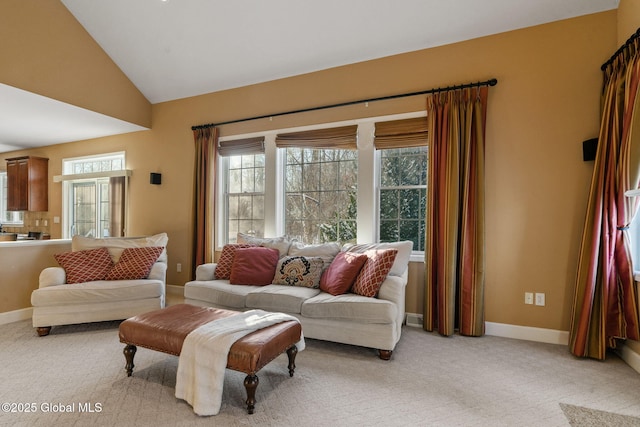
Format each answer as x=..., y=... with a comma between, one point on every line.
x=223, y=269
x=374, y=272
x=254, y=266
x=85, y=266
x=338, y=278
x=135, y=263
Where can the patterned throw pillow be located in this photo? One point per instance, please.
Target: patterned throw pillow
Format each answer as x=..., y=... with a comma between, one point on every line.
x=223, y=269
x=299, y=271
x=339, y=277
x=85, y=266
x=135, y=263
x=374, y=272
x=254, y=266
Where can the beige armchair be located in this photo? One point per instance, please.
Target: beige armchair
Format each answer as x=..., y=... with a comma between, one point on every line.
x=128, y=281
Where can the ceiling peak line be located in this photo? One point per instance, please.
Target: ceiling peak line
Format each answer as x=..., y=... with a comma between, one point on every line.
x=490, y=82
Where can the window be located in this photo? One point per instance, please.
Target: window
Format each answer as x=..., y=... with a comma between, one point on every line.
x=403, y=195
x=245, y=196
x=7, y=217
x=359, y=181
x=94, y=196
x=242, y=164
x=320, y=194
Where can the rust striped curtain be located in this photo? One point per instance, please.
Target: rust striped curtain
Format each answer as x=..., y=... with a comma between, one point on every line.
x=605, y=301
x=455, y=252
x=204, y=196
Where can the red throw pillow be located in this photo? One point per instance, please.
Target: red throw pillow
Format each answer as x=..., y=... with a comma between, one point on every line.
x=223, y=269
x=135, y=263
x=85, y=266
x=342, y=272
x=374, y=272
x=254, y=266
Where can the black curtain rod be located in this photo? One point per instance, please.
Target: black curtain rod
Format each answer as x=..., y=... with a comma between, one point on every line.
x=621, y=49
x=491, y=82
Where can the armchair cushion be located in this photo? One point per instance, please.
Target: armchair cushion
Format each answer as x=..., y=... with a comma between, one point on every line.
x=135, y=263
x=85, y=265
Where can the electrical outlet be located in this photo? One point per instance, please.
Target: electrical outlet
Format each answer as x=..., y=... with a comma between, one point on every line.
x=179, y=268
x=539, y=299
x=528, y=298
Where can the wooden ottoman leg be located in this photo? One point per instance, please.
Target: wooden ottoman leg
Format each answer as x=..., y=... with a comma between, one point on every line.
x=251, y=383
x=291, y=353
x=129, y=351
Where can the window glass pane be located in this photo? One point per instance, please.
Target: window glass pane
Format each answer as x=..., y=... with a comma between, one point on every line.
x=245, y=196
x=320, y=195
x=403, y=195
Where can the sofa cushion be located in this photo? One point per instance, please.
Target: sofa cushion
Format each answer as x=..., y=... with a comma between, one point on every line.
x=326, y=251
x=279, y=243
x=401, y=262
x=254, y=266
x=85, y=265
x=218, y=293
x=97, y=292
x=349, y=307
x=299, y=271
x=135, y=263
x=339, y=277
x=280, y=298
x=116, y=245
x=223, y=268
x=374, y=272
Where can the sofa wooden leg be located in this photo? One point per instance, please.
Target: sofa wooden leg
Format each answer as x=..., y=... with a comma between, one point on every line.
x=250, y=384
x=385, y=354
x=129, y=352
x=43, y=330
x=291, y=353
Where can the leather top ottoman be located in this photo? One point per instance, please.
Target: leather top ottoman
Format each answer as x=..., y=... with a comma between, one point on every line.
x=165, y=330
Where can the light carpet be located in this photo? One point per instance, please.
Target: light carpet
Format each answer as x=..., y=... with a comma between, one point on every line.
x=430, y=381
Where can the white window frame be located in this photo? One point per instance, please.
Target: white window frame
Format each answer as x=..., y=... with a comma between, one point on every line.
x=70, y=176
x=368, y=180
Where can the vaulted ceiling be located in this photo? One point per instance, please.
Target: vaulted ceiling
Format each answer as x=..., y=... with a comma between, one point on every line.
x=172, y=49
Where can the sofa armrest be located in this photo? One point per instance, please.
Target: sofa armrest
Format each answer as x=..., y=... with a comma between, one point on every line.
x=52, y=276
x=393, y=289
x=158, y=272
x=206, y=271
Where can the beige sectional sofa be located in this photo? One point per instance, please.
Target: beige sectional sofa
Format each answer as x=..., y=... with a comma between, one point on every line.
x=58, y=302
x=348, y=318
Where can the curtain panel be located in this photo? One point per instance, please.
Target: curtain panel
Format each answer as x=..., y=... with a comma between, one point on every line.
x=206, y=140
x=117, y=198
x=605, y=301
x=455, y=249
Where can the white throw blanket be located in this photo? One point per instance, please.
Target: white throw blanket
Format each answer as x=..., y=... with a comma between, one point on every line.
x=203, y=358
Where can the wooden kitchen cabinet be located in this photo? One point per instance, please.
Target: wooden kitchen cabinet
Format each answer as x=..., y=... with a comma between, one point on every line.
x=27, y=184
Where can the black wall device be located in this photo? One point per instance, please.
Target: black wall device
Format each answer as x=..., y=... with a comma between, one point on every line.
x=589, y=148
x=155, y=178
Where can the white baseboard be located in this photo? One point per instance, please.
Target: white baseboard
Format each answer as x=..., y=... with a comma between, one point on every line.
x=528, y=333
x=630, y=357
x=15, y=315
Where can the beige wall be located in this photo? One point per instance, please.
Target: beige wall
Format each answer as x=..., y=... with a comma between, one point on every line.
x=544, y=106
x=46, y=51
